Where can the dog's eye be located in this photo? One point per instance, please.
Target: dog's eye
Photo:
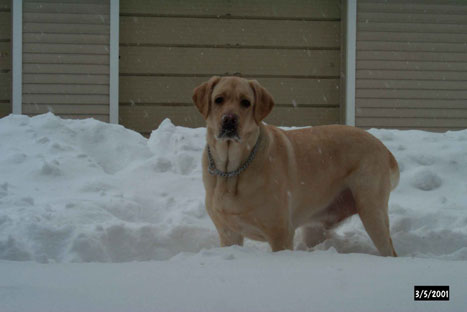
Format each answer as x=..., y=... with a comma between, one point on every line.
x=245, y=103
x=219, y=100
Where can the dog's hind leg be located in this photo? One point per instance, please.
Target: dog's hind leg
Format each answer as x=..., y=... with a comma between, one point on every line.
x=372, y=207
x=342, y=207
x=314, y=234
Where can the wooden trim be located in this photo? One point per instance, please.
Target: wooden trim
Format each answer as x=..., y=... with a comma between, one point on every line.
x=114, y=60
x=350, y=51
x=17, y=56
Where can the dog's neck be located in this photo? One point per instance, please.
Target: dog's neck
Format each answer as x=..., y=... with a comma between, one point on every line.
x=229, y=156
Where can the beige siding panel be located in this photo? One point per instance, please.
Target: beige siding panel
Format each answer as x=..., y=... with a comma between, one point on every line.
x=5, y=56
x=412, y=94
x=411, y=18
x=413, y=27
x=5, y=5
x=293, y=9
x=418, y=8
x=5, y=25
x=66, y=109
x=65, y=38
x=65, y=89
x=410, y=84
x=291, y=47
x=5, y=87
x=66, y=57
x=286, y=91
x=413, y=65
x=207, y=61
x=232, y=32
x=94, y=19
x=411, y=37
x=82, y=59
x=66, y=79
x=436, y=2
x=147, y=118
x=414, y=75
x=413, y=113
x=412, y=122
x=75, y=8
x=411, y=46
x=69, y=1
x=78, y=99
x=412, y=56
x=65, y=69
x=438, y=129
x=301, y=117
x=66, y=48
x=5, y=109
x=60, y=28
x=409, y=103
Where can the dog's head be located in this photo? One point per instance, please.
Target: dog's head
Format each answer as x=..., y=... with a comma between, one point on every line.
x=233, y=107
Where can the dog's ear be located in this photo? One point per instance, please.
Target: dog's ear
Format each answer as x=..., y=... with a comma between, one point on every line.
x=202, y=94
x=263, y=101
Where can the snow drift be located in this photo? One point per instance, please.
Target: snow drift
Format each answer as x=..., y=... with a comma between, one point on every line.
x=87, y=191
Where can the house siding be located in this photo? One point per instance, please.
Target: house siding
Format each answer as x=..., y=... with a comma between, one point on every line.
x=411, y=68
x=66, y=58
x=5, y=57
x=169, y=47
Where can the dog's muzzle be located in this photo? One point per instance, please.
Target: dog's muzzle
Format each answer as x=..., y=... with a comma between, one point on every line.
x=229, y=127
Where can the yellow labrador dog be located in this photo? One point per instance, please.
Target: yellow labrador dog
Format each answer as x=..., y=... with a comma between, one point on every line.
x=263, y=182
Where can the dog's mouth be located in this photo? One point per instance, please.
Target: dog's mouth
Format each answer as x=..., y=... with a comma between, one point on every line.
x=228, y=134
x=229, y=128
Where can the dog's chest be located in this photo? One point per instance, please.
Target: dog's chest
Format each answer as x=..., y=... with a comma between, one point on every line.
x=239, y=215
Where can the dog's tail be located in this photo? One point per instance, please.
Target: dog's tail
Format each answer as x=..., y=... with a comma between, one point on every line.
x=394, y=171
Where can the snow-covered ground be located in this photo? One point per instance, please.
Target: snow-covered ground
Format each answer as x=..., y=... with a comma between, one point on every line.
x=78, y=191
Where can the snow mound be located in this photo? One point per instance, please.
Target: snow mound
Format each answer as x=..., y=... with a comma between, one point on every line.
x=83, y=190
x=426, y=180
x=87, y=191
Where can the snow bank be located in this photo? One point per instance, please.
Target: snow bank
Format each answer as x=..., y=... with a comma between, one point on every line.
x=83, y=190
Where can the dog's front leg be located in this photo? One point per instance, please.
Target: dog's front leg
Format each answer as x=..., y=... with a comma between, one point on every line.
x=281, y=240
x=228, y=237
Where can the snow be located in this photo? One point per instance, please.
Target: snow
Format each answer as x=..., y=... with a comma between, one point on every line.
x=80, y=191
x=233, y=279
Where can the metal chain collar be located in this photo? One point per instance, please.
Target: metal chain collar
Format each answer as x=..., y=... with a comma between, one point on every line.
x=214, y=171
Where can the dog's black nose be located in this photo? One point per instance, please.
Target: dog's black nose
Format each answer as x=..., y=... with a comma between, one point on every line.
x=229, y=122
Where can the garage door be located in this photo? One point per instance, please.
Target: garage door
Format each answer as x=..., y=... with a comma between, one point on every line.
x=412, y=64
x=169, y=47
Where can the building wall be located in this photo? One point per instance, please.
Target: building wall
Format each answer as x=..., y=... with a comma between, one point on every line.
x=411, y=64
x=66, y=58
x=5, y=57
x=169, y=47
